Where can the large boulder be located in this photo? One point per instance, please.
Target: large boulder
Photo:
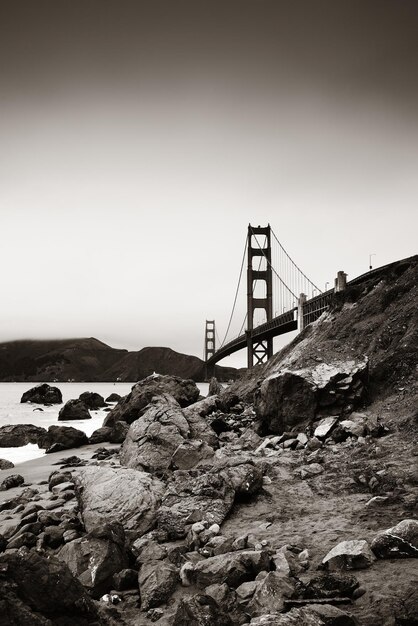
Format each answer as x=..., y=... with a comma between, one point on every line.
x=92, y=400
x=232, y=568
x=108, y=494
x=43, y=394
x=353, y=554
x=39, y=591
x=74, y=410
x=96, y=557
x=312, y=615
x=270, y=593
x=154, y=439
x=16, y=435
x=398, y=542
x=287, y=398
x=132, y=406
x=193, y=496
x=200, y=610
x=62, y=438
x=157, y=581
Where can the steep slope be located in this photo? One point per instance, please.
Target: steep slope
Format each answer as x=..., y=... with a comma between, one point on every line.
x=377, y=318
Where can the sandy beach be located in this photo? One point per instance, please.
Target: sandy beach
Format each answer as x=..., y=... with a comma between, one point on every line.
x=36, y=471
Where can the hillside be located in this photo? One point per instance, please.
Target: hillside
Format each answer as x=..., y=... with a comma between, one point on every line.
x=92, y=360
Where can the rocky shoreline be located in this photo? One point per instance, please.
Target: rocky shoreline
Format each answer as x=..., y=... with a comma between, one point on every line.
x=288, y=499
x=197, y=519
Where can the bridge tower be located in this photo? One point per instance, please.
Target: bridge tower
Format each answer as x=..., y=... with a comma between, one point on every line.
x=209, y=347
x=259, y=351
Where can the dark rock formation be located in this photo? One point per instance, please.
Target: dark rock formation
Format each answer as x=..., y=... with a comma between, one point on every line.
x=157, y=581
x=5, y=464
x=92, y=400
x=16, y=435
x=119, y=495
x=288, y=398
x=74, y=410
x=36, y=590
x=215, y=387
x=114, y=397
x=118, y=432
x=62, y=438
x=400, y=541
x=132, y=406
x=14, y=480
x=100, y=435
x=96, y=557
x=43, y=394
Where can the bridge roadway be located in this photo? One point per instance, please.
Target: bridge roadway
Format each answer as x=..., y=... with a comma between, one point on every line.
x=286, y=322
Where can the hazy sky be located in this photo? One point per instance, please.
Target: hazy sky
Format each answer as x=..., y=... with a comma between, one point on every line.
x=139, y=139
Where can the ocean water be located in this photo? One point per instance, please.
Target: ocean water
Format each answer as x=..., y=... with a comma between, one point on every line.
x=13, y=412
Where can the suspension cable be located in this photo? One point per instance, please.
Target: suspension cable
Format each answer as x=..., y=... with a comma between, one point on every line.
x=290, y=258
x=264, y=255
x=236, y=293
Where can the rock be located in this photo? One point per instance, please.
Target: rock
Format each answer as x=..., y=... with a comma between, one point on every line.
x=193, y=496
x=354, y=554
x=284, y=400
x=312, y=615
x=27, y=539
x=14, y=480
x=325, y=427
x=132, y=406
x=122, y=495
x=330, y=585
x=5, y=464
x=92, y=400
x=118, y=432
x=200, y=610
x=154, y=438
x=247, y=479
x=43, y=394
x=215, y=387
x=311, y=470
x=270, y=594
x=157, y=581
x=16, y=435
x=125, y=579
x=66, y=437
x=40, y=591
x=355, y=426
x=233, y=568
x=189, y=454
x=100, y=435
x=287, y=398
x=57, y=477
x=114, y=397
x=400, y=541
x=74, y=410
x=96, y=557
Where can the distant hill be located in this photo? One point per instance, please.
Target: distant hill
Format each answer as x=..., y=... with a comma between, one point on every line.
x=92, y=360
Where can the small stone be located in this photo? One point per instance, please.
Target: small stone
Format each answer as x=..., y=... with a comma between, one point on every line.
x=325, y=427
x=308, y=471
